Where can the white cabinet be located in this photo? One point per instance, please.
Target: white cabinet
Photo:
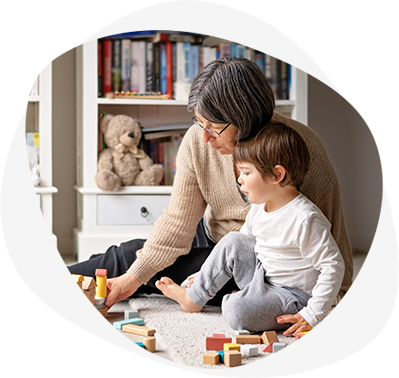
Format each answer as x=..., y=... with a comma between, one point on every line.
x=38, y=120
x=105, y=218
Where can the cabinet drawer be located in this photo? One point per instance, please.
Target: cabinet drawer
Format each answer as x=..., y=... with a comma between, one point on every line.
x=130, y=209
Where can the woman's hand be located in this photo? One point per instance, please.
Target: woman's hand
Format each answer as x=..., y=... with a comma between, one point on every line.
x=119, y=288
x=299, y=324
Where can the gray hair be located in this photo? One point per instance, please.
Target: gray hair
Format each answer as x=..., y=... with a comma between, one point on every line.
x=233, y=90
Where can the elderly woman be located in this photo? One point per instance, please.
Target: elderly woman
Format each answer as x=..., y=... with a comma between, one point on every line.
x=231, y=100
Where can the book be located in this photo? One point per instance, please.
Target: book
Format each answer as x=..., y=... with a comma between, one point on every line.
x=125, y=65
x=169, y=67
x=157, y=67
x=225, y=50
x=150, y=69
x=100, y=68
x=194, y=61
x=116, y=66
x=149, y=129
x=161, y=134
x=163, y=69
x=142, y=66
x=134, y=67
x=241, y=51
x=260, y=60
x=107, y=66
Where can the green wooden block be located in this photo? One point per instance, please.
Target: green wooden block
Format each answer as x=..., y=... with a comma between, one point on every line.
x=136, y=321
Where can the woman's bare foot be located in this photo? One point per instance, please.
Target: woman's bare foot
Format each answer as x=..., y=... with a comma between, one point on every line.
x=177, y=293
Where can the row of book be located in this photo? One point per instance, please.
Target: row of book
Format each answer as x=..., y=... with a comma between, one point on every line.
x=159, y=63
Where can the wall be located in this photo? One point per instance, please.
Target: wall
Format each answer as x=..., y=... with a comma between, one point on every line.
x=354, y=154
x=64, y=142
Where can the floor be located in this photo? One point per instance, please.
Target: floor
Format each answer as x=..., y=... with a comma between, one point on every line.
x=116, y=313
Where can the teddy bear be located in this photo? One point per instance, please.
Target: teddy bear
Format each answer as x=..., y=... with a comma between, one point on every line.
x=33, y=157
x=122, y=163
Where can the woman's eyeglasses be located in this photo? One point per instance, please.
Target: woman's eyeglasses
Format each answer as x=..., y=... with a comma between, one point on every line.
x=211, y=132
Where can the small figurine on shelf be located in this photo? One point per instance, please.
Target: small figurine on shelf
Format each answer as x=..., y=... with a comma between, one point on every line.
x=122, y=163
x=33, y=157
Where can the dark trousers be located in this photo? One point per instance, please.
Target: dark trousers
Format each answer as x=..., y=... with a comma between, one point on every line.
x=117, y=261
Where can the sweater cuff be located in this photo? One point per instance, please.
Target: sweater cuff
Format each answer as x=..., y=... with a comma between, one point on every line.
x=308, y=317
x=142, y=271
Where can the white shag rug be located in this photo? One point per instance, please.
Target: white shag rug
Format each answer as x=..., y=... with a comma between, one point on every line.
x=183, y=335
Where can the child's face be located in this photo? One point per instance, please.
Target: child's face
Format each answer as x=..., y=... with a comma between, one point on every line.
x=258, y=190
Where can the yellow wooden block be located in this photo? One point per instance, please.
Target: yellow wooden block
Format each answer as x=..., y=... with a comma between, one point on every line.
x=231, y=346
x=211, y=358
x=138, y=330
x=149, y=343
x=101, y=290
x=78, y=278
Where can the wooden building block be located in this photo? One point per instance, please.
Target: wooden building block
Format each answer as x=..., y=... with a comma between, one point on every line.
x=211, y=358
x=102, y=310
x=138, y=330
x=249, y=351
x=149, y=343
x=269, y=348
x=136, y=321
x=216, y=342
x=130, y=314
x=231, y=346
x=269, y=337
x=101, y=280
x=232, y=358
x=298, y=335
x=247, y=339
x=221, y=354
x=140, y=344
x=78, y=279
x=241, y=332
x=278, y=346
x=88, y=283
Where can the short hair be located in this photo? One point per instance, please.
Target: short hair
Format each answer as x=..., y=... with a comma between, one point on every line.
x=233, y=90
x=276, y=144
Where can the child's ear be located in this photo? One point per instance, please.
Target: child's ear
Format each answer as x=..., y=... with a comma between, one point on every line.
x=279, y=174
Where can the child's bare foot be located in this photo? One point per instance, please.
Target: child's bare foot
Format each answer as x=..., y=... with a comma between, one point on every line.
x=177, y=293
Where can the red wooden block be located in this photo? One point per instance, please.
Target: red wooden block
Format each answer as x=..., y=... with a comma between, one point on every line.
x=269, y=348
x=101, y=272
x=216, y=342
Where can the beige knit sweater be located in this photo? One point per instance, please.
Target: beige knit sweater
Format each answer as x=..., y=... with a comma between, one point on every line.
x=205, y=182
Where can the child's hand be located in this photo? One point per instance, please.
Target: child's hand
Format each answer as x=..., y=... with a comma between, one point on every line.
x=299, y=324
x=190, y=281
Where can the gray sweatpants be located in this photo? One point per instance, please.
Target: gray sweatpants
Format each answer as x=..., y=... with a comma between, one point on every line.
x=258, y=303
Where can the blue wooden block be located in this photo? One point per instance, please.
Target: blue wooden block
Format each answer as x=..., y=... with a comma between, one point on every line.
x=221, y=352
x=136, y=321
x=131, y=314
x=141, y=344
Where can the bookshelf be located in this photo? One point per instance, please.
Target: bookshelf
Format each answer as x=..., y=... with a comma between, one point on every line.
x=104, y=218
x=38, y=120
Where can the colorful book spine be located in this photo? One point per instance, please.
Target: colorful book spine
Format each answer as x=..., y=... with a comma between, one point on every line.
x=100, y=68
x=134, y=72
x=126, y=66
x=142, y=66
x=169, y=68
x=163, y=68
x=107, y=66
x=116, y=65
x=149, y=63
x=194, y=61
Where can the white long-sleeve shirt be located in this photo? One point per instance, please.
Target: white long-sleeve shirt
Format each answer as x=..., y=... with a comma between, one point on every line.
x=296, y=248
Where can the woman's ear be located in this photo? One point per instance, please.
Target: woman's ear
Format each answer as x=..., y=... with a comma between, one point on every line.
x=279, y=174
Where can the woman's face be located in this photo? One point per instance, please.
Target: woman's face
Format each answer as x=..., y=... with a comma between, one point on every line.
x=225, y=143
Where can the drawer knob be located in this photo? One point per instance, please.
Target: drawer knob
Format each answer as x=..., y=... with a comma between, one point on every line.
x=144, y=211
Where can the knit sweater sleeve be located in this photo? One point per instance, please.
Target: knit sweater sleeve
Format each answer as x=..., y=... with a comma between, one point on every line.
x=174, y=231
